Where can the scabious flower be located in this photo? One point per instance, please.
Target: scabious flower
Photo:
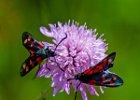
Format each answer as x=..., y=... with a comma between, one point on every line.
x=79, y=51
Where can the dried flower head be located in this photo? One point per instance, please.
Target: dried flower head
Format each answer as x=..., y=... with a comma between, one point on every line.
x=80, y=50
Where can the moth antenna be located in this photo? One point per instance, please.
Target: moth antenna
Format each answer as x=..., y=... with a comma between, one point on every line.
x=55, y=50
x=60, y=42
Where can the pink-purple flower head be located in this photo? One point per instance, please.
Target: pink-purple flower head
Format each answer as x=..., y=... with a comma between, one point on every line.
x=79, y=51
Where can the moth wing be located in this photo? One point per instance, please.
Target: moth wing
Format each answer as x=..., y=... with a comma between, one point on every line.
x=103, y=65
x=30, y=63
x=30, y=43
x=105, y=79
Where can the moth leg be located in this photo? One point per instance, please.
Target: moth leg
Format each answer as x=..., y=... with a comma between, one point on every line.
x=36, y=72
x=57, y=64
x=39, y=66
x=44, y=94
x=75, y=96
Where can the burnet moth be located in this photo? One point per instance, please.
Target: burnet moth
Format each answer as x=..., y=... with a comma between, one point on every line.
x=98, y=74
x=38, y=52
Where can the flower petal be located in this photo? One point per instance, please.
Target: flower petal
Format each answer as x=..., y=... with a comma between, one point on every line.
x=83, y=93
x=46, y=32
x=67, y=88
x=57, y=88
x=42, y=71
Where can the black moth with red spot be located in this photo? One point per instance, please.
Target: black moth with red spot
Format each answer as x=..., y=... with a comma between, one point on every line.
x=98, y=74
x=38, y=52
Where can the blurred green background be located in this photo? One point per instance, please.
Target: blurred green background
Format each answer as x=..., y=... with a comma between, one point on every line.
x=119, y=20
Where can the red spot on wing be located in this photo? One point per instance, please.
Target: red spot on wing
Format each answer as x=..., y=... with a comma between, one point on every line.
x=111, y=83
x=100, y=67
x=31, y=63
x=97, y=68
x=27, y=68
x=103, y=80
x=104, y=63
x=38, y=60
x=114, y=78
x=32, y=44
x=88, y=72
x=29, y=38
x=31, y=53
x=40, y=45
x=92, y=82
